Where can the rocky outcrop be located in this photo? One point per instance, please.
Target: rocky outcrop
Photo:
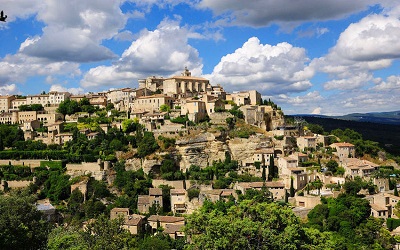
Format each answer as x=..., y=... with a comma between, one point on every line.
x=200, y=150
x=242, y=149
x=147, y=164
x=205, y=148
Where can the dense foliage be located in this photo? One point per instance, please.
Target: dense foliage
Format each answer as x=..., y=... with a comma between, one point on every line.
x=21, y=224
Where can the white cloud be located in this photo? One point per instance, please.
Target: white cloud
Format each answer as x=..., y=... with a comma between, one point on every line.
x=316, y=111
x=368, y=45
x=356, y=81
x=373, y=38
x=74, y=30
x=21, y=8
x=8, y=89
x=17, y=68
x=270, y=69
x=391, y=84
x=164, y=51
x=59, y=88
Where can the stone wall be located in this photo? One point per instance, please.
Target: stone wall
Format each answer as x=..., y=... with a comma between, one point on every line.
x=14, y=184
x=23, y=162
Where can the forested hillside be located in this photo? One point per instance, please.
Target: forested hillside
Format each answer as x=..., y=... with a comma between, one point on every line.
x=388, y=136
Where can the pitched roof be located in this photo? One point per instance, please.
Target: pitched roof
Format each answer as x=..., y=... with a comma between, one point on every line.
x=378, y=208
x=166, y=219
x=177, y=191
x=173, y=228
x=155, y=191
x=120, y=209
x=260, y=184
x=133, y=220
x=143, y=199
x=342, y=144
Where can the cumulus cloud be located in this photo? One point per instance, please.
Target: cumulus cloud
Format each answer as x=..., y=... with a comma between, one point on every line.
x=8, y=89
x=391, y=84
x=373, y=38
x=353, y=82
x=74, y=30
x=263, y=13
x=21, y=8
x=164, y=51
x=270, y=69
x=368, y=45
x=17, y=68
x=60, y=88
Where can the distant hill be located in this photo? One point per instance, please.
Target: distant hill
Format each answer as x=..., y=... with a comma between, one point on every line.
x=392, y=117
x=387, y=135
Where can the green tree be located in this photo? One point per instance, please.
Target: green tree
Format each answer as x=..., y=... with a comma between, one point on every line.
x=21, y=224
x=75, y=201
x=165, y=108
x=105, y=234
x=292, y=190
x=147, y=145
x=249, y=225
x=61, y=238
x=264, y=174
x=332, y=166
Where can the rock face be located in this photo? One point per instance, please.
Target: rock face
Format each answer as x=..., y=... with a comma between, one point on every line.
x=205, y=148
x=200, y=150
x=135, y=164
x=242, y=150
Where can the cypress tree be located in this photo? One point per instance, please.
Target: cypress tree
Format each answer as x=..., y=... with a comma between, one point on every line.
x=264, y=177
x=291, y=187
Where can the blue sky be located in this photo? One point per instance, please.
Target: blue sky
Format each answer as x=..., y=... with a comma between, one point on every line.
x=308, y=56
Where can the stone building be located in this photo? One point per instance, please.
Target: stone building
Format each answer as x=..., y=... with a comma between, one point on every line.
x=185, y=85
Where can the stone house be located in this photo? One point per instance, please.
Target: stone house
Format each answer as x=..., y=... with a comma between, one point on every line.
x=343, y=149
x=304, y=142
x=381, y=183
x=152, y=103
x=134, y=223
x=212, y=103
x=300, y=157
x=143, y=204
x=285, y=163
x=307, y=201
x=5, y=103
x=378, y=211
x=62, y=138
x=178, y=200
x=174, y=231
x=155, y=196
x=382, y=204
x=214, y=195
x=194, y=109
x=16, y=103
x=146, y=201
x=156, y=221
x=263, y=155
x=275, y=187
x=355, y=167
x=117, y=212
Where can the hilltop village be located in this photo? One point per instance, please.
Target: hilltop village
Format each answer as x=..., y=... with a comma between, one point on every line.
x=161, y=151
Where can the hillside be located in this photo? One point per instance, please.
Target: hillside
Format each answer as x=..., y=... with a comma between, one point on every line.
x=387, y=135
x=379, y=117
